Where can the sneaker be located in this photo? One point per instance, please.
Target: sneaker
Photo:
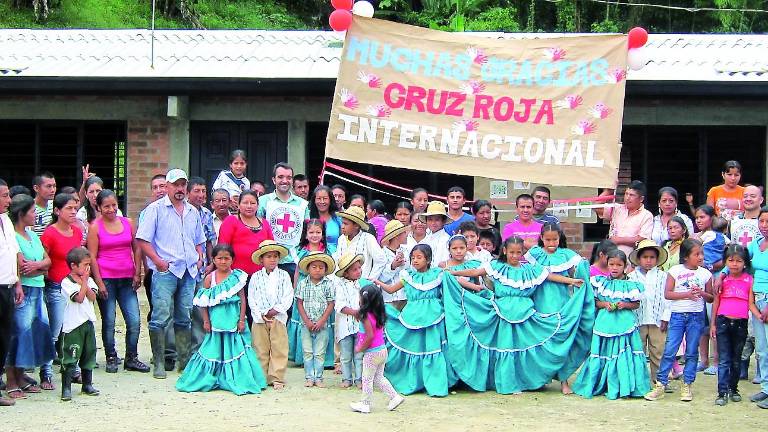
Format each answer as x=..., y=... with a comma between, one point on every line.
x=360, y=407
x=112, y=365
x=712, y=370
x=395, y=402
x=669, y=389
x=309, y=383
x=763, y=404
x=758, y=397
x=756, y=380
x=686, y=392
x=657, y=392
x=721, y=400
x=735, y=396
x=700, y=367
x=132, y=363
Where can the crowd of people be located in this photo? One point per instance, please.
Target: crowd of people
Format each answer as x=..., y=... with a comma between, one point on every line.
x=423, y=298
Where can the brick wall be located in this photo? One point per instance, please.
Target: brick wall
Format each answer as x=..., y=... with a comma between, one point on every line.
x=148, y=153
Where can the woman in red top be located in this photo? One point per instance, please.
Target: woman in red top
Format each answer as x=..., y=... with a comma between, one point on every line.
x=245, y=232
x=58, y=239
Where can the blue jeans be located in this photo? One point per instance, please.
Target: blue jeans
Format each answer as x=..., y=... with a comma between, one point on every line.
x=351, y=362
x=761, y=340
x=31, y=342
x=120, y=291
x=682, y=324
x=55, y=303
x=170, y=292
x=314, y=345
x=731, y=336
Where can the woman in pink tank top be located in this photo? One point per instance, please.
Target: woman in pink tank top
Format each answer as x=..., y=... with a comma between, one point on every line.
x=116, y=269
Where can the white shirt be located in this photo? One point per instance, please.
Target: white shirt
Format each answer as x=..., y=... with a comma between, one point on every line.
x=217, y=226
x=267, y=291
x=685, y=279
x=347, y=295
x=75, y=314
x=366, y=245
x=481, y=255
x=389, y=276
x=743, y=231
x=654, y=308
x=438, y=241
x=224, y=181
x=9, y=250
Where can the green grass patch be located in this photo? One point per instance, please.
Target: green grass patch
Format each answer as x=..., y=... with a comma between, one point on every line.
x=213, y=14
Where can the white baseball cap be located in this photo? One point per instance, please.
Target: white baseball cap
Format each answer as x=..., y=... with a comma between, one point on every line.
x=175, y=175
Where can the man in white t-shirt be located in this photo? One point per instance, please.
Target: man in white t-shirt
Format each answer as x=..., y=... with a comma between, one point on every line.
x=11, y=293
x=743, y=228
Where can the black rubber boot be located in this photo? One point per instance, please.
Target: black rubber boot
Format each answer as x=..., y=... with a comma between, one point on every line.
x=157, y=340
x=88, y=383
x=66, y=384
x=744, y=369
x=183, y=347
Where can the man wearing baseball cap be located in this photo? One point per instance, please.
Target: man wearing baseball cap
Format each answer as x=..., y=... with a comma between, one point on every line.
x=171, y=237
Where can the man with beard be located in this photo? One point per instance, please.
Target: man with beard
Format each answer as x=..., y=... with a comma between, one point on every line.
x=285, y=213
x=171, y=237
x=743, y=228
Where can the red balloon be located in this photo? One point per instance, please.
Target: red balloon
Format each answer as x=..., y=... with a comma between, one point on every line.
x=342, y=4
x=340, y=19
x=637, y=37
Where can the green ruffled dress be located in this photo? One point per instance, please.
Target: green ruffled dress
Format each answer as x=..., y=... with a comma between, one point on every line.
x=225, y=359
x=550, y=297
x=498, y=340
x=617, y=363
x=295, y=350
x=416, y=337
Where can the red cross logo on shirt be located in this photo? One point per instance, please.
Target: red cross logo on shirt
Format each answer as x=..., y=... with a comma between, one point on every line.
x=745, y=239
x=286, y=222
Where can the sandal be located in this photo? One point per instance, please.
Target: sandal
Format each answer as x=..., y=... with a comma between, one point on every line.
x=278, y=386
x=46, y=383
x=29, y=380
x=16, y=393
x=31, y=388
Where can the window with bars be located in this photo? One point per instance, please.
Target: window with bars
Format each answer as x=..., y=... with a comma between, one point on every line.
x=63, y=147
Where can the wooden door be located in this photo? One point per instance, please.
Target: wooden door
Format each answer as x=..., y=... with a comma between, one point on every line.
x=265, y=144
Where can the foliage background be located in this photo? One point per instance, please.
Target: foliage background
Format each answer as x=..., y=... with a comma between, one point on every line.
x=455, y=15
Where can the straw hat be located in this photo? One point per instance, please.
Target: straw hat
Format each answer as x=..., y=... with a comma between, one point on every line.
x=393, y=229
x=356, y=215
x=330, y=264
x=269, y=246
x=346, y=262
x=648, y=244
x=435, y=208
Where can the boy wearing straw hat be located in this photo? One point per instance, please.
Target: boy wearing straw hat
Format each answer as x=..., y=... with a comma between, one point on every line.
x=315, y=298
x=393, y=243
x=347, y=304
x=270, y=295
x=435, y=218
x=654, y=311
x=357, y=241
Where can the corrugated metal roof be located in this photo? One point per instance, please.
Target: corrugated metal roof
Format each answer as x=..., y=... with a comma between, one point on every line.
x=264, y=54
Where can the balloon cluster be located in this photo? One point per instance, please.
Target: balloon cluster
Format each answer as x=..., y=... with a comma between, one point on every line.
x=341, y=17
x=637, y=57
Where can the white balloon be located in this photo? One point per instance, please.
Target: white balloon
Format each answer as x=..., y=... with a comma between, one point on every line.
x=637, y=58
x=363, y=9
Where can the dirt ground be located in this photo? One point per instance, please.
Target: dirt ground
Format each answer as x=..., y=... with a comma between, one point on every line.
x=137, y=402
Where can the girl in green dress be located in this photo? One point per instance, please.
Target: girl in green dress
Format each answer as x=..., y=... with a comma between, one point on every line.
x=617, y=364
x=225, y=359
x=498, y=340
x=553, y=254
x=416, y=337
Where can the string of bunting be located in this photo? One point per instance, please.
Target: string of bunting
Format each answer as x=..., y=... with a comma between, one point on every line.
x=602, y=201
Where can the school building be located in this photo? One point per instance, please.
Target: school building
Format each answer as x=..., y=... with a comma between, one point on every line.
x=132, y=108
